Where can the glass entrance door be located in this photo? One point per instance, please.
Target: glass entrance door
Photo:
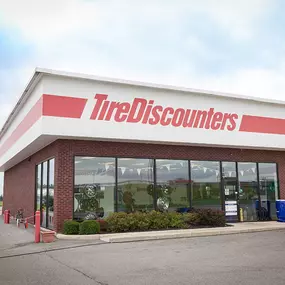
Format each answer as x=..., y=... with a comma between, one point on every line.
x=231, y=195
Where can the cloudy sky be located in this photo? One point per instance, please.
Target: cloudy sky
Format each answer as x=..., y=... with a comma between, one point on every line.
x=224, y=45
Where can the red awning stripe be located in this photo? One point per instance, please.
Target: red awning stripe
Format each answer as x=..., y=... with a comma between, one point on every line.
x=264, y=125
x=29, y=120
x=62, y=106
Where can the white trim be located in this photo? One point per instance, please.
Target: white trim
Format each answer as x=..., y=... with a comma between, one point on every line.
x=25, y=95
x=39, y=72
x=156, y=86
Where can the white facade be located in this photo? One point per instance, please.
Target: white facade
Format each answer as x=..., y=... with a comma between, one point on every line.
x=139, y=112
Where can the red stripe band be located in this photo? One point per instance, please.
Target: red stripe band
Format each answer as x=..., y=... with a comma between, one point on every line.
x=264, y=125
x=30, y=119
x=64, y=107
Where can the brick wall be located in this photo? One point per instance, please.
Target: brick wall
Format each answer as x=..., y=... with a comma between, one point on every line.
x=19, y=182
x=20, y=179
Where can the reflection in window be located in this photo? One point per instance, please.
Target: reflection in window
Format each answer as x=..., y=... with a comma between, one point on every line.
x=51, y=194
x=135, y=184
x=268, y=184
x=94, y=187
x=39, y=183
x=248, y=196
x=172, y=178
x=44, y=194
x=206, y=184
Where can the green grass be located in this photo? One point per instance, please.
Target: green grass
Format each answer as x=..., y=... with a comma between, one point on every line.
x=1, y=203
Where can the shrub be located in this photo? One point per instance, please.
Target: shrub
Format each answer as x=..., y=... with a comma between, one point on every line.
x=103, y=225
x=210, y=217
x=123, y=222
x=138, y=221
x=191, y=219
x=176, y=221
x=70, y=227
x=89, y=227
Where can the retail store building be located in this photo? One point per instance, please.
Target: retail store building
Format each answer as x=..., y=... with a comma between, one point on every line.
x=78, y=146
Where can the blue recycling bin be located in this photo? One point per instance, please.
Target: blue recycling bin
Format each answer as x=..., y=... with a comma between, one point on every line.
x=280, y=210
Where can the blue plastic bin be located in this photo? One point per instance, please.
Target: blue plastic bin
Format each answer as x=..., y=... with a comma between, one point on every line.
x=280, y=210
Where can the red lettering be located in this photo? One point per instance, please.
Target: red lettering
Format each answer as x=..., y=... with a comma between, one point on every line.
x=100, y=99
x=164, y=121
x=137, y=110
x=178, y=117
x=232, y=125
x=200, y=118
x=216, y=122
x=189, y=124
x=103, y=110
x=147, y=112
x=155, y=114
x=210, y=115
x=122, y=110
x=113, y=106
x=141, y=110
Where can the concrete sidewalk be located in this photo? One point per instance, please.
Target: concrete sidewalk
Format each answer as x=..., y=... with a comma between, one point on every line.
x=237, y=228
x=11, y=236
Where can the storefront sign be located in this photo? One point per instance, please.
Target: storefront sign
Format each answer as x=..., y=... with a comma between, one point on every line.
x=145, y=111
x=231, y=208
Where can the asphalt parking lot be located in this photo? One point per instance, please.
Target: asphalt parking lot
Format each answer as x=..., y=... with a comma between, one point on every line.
x=253, y=258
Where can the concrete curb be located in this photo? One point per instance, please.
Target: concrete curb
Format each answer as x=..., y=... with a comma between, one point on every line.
x=173, y=234
x=78, y=237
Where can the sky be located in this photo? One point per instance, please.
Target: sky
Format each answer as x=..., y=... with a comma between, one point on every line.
x=222, y=45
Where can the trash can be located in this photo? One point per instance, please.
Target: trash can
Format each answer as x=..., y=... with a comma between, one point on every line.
x=280, y=210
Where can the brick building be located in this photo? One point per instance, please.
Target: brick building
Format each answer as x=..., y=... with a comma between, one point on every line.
x=79, y=146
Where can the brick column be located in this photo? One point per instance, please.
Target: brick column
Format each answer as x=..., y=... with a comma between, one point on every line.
x=63, y=199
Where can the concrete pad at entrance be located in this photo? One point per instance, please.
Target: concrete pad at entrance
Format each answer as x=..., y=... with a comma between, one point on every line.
x=237, y=228
x=11, y=236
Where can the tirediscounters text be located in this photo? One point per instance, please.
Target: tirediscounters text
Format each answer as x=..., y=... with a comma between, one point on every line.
x=146, y=112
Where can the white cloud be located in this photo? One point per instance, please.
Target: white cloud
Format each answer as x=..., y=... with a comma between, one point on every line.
x=142, y=40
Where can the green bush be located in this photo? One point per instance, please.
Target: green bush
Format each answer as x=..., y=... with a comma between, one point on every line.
x=191, y=219
x=123, y=222
x=138, y=221
x=210, y=217
x=89, y=227
x=70, y=227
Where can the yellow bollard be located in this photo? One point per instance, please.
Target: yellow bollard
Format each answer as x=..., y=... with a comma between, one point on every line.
x=241, y=214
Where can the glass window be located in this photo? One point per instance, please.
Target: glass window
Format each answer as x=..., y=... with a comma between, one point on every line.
x=94, y=187
x=51, y=194
x=206, y=184
x=268, y=184
x=39, y=183
x=248, y=195
x=44, y=194
x=135, y=184
x=172, y=180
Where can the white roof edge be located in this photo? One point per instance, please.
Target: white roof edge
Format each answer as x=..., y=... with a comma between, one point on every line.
x=40, y=71
x=26, y=93
x=157, y=86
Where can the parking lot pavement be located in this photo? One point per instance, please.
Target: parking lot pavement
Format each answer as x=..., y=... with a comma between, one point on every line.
x=252, y=258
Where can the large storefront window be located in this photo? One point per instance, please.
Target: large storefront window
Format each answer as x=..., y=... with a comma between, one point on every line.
x=94, y=194
x=103, y=185
x=206, y=184
x=172, y=184
x=135, y=184
x=50, y=202
x=268, y=185
x=38, y=187
x=45, y=192
x=248, y=194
